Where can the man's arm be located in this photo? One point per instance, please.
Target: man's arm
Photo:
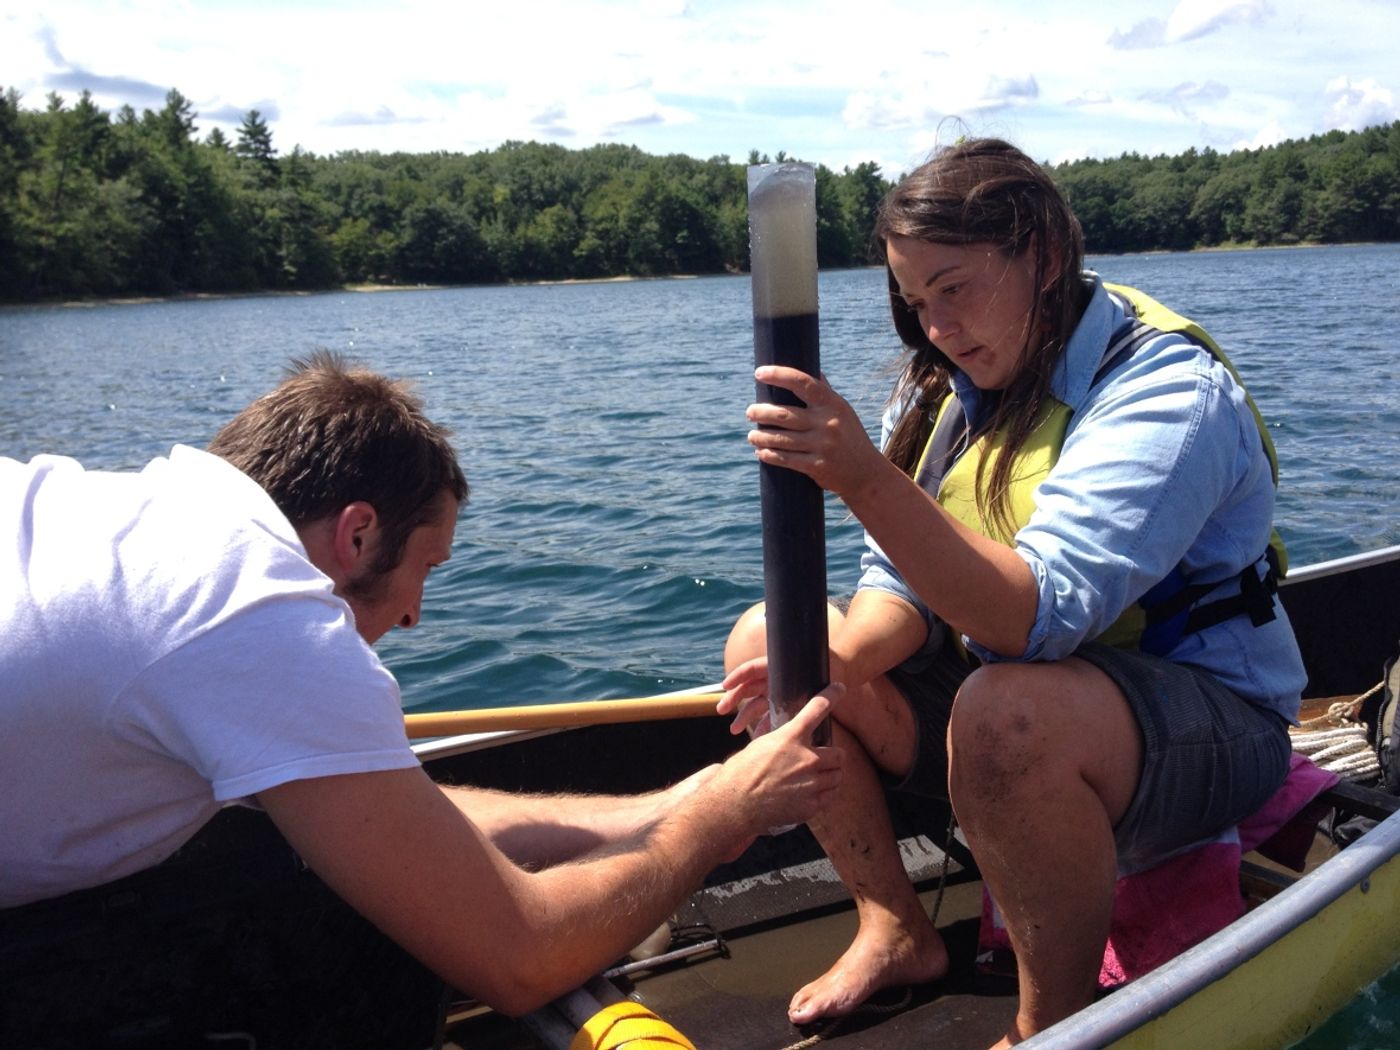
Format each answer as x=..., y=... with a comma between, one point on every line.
x=395, y=847
x=539, y=830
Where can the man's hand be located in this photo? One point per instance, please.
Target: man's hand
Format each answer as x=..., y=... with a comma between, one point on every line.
x=780, y=778
x=397, y=848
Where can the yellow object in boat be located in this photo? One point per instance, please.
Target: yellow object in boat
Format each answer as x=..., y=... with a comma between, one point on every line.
x=631, y=1025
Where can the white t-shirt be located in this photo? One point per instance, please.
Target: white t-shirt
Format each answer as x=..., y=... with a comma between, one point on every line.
x=166, y=648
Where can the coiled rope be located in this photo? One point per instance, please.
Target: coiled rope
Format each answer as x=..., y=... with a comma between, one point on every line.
x=865, y=1008
x=1337, y=741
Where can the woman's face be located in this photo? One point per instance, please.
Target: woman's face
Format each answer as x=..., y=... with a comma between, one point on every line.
x=973, y=303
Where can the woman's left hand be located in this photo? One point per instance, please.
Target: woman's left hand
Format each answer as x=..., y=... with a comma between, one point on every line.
x=825, y=440
x=746, y=697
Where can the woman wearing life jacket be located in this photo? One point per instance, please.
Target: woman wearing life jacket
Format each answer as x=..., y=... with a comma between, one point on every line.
x=1066, y=621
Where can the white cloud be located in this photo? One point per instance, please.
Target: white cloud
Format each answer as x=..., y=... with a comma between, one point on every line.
x=1271, y=134
x=901, y=101
x=1190, y=20
x=817, y=78
x=1196, y=18
x=1353, y=106
x=1008, y=91
x=867, y=111
x=1151, y=32
x=1186, y=97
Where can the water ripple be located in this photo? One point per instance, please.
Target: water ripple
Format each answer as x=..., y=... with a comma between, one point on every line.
x=613, y=531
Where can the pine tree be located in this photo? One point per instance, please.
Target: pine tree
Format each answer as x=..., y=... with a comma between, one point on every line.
x=255, y=147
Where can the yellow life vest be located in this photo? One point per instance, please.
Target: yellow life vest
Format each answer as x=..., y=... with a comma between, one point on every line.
x=956, y=484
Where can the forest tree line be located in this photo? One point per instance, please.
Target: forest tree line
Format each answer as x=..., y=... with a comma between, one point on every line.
x=100, y=204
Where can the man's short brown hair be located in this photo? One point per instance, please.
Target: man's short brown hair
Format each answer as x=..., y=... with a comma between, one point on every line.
x=333, y=433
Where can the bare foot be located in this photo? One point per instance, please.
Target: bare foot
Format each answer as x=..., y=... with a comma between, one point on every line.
x=876, y=959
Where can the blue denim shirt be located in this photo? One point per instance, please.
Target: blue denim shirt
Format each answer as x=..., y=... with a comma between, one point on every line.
x=1162, y=466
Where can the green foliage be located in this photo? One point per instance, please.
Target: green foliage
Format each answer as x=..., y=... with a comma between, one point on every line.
x=255, y=150
x=93, y=203
x=1329, y=189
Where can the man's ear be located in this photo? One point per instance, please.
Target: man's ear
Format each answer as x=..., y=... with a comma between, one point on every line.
x=353, y=540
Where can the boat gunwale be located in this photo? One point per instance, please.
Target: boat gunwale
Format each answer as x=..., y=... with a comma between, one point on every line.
x=1346, y=563
x=464, y=743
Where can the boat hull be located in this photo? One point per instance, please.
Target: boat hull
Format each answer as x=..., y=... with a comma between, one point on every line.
x=261, y=946
x=1270, y=978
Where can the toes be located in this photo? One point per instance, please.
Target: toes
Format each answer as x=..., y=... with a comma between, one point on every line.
x=802, y=1009
x=809, y=1004
x=822, y=998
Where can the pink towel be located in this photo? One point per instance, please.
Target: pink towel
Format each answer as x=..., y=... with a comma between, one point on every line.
x=1160, y=912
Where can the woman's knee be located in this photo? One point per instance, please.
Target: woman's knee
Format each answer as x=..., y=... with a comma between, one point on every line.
x=995, y=706
x=996, y=747
x=748, y=637
x=1019, y=725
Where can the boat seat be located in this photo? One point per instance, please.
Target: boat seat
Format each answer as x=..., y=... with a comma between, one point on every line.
x=1350, y=797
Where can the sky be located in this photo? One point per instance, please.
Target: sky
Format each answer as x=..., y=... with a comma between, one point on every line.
x=838, y=82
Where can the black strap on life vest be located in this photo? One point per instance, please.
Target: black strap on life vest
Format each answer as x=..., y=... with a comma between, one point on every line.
x=1255, y=598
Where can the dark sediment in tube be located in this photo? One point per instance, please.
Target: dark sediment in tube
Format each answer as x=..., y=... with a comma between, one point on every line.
x=783, y=264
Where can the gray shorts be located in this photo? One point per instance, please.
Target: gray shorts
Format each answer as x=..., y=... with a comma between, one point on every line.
x=929, y=687
x=1210, y=758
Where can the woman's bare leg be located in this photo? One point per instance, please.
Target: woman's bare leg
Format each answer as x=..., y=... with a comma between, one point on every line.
x=1045, y=759
x=895, y=943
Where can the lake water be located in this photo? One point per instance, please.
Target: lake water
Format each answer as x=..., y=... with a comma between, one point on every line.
x=613, y=530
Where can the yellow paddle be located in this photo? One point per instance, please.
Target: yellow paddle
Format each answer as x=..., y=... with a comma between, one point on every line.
x=554, y=716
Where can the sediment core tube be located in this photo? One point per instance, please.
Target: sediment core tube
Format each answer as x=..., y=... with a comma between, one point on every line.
x=783, y=265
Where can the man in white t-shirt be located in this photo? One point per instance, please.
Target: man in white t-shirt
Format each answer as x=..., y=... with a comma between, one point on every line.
x=198, y=634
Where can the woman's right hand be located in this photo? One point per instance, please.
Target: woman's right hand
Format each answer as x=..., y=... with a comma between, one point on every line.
x=824, y=440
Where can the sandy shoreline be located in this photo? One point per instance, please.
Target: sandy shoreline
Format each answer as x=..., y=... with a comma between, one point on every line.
x=178, y=297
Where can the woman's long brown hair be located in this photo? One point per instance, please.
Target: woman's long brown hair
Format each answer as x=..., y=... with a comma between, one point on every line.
x=985, y=191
